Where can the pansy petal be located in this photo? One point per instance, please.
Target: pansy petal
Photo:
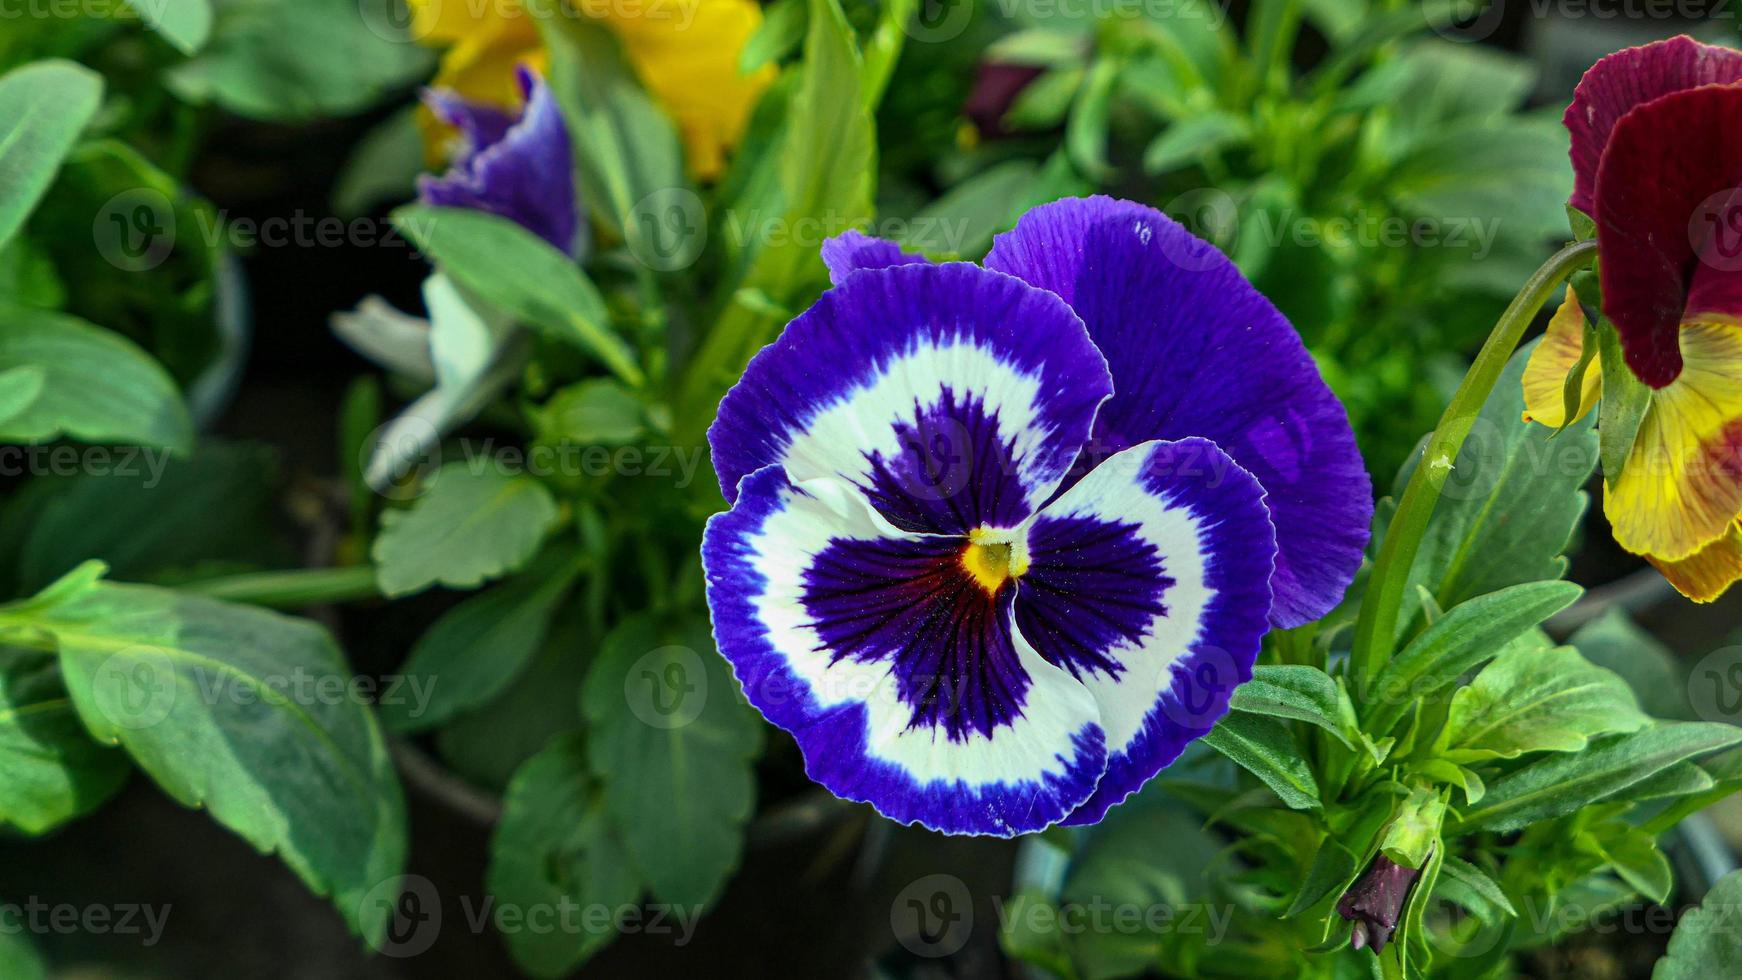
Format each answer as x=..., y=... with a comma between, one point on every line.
x=1629, y=78
x=900, y=677
x=1149, y=581
x=953, y=397
x=1553, y=361
x=854, y=251
x=1196, y=351
x=1681, y=488
x=527, y=176
x=1710, y=572
x=1662, y=199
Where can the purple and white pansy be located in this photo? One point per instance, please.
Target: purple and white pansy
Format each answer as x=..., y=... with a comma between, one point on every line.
x=1003, y=540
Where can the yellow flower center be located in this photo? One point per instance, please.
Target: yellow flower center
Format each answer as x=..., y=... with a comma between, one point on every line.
x=994, y=557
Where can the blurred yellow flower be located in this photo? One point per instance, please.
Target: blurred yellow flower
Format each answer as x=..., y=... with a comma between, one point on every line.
x=685, y=52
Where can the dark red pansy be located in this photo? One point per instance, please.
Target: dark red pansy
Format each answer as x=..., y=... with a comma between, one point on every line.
x=1657, y=154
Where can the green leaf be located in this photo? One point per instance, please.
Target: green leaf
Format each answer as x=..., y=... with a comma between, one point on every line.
x=781, y=33
x=1681, y=779
x=45, y=106
x=1472, y=632
x=1455, y=775
x=1266, y=748
x=488, y=745
x=1415, y=830
x=556, y=849
x=383, y=168
x=50, y=770
x=186, y=24
x=1190, y=140
x=1536, y=701
x=289, y=61
x=964, y=219
x=1509, y=505
x=1479, y=893
x=1086, y=128
x=1648, y=667
x=523, y=274
x=478, y=648
x=674, y=744
x=145, y=514
x=595, y=412
x=1707, y=943
x=1634, y=855
x=1507, y=169
x=627, y=153
x=19, y=959
x=1025, y=936
x=1332, y=872
x=1300, y=694
x=474, y=524
x=826, y=169
x=1043, y=103
x=97, y=386
x=1562, y=783
x=1119, y=866
x=1624, y=404
x=19, y=389
x=242, y=712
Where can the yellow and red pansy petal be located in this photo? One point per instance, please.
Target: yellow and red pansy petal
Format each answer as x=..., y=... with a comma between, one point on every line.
x=1553, y=360
x=1668, y=163
x=1710, y=572
x=1681, y=489
x=1615, y=85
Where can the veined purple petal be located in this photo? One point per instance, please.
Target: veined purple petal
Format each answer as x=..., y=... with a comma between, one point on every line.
x=901, y=690
x=1149, y=583
x=522, y=171
x=1196, y=351
x=854, y=251
x=954, y=398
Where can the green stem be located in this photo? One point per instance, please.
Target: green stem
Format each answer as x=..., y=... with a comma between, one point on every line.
x=1376, y=629
x=292, y=589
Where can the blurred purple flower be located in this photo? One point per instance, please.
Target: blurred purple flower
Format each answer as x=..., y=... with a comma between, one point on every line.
x=518, y=167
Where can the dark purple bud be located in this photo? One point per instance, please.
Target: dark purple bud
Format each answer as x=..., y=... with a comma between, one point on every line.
x=1375, y=902
x=996, y=87
x=518, y=167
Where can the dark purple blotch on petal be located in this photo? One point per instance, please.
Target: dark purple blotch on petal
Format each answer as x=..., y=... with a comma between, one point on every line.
x=1092, y=587
x=913, y=604
x=956, y=471
x=520, y=168
x=1375, y=902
